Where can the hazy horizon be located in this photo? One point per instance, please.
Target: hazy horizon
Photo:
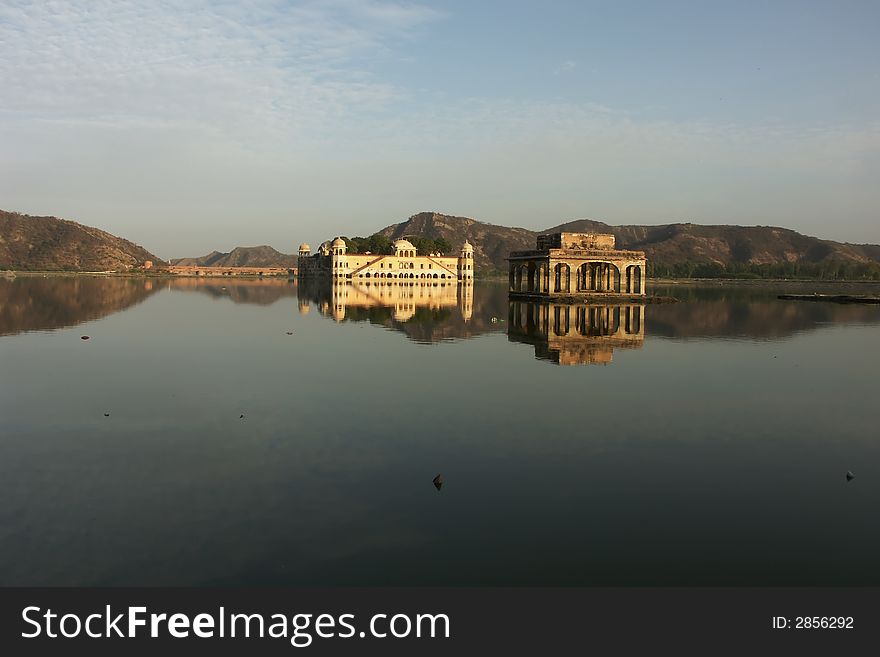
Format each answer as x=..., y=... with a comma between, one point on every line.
x=239, y=124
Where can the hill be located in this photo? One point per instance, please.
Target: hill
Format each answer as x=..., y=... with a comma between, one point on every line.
x=30, y=243
x=696, y=250
x=681, y=250
x=241, y=256
x=491, y=243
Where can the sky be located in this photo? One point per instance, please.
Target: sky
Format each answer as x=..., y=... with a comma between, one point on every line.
x=192, y=126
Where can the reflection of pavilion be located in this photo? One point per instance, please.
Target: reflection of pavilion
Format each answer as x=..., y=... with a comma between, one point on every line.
x=402, y=299
x=573, y=334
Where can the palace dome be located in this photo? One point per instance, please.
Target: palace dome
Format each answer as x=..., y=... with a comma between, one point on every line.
x=338, y=242
x=403, y=244
x=304, y=247
x=467, y=246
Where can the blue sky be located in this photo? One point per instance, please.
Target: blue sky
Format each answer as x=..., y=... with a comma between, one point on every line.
x=190, y=126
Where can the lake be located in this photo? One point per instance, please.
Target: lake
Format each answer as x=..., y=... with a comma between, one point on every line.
x=235, y=432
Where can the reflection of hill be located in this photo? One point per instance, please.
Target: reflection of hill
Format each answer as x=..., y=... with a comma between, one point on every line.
x=746, y=311
x=576, y=334
x=30, y=303
x=260, y=292
x=425, y=313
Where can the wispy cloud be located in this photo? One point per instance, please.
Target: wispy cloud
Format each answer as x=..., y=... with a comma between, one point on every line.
x=226, y=66
x=564, y=67
x=140, y=113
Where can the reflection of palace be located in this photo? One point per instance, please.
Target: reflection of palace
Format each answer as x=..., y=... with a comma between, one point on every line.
x=402, y=299
x=581, y=263
x=574, y=334
x=333, y=260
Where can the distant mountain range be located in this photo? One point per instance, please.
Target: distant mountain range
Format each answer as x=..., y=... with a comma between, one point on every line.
x=53, y=244
x=682, y=248
x=679, y=250
x=241, y=256
x=672, y=249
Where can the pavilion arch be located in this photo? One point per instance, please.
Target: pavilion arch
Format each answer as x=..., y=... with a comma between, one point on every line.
x=534, y=278
x=541, y=282
x=598, y=277
x=529, y=276
x=562, y=277
x=634, y=279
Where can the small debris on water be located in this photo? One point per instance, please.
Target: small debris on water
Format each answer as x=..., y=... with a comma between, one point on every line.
x=438, y=482
x=83, y=337
x=850, y=476
x=106, y=414
x=290, y=333
x=241, y=416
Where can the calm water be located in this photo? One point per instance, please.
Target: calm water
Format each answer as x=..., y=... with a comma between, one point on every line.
x=704, y=442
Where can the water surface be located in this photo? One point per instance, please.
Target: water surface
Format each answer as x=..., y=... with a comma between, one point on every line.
x=706, y=445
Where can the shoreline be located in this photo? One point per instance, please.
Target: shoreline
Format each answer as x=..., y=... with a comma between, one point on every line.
x=11, y=273
x=652, y=282
x=593, y=298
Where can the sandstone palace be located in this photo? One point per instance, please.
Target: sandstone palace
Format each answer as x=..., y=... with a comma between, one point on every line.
x=333, y=261
x=576, y=263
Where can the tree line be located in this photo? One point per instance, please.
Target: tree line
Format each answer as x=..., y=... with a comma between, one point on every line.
x=826, y=271
x=382, y=245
